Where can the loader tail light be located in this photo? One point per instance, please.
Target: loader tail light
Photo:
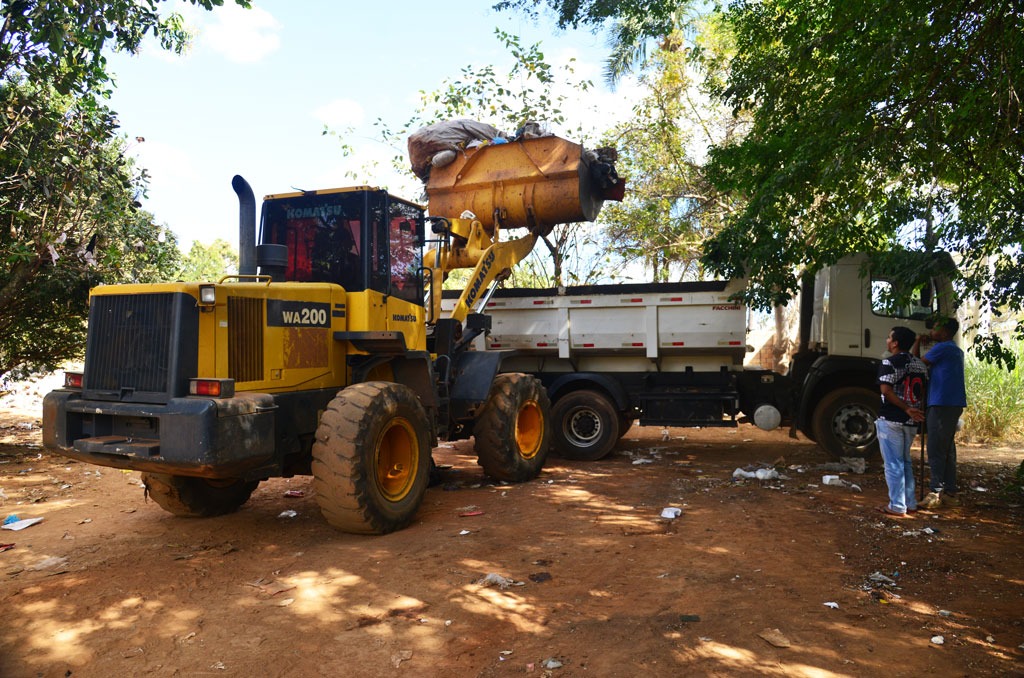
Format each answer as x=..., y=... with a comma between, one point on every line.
x=73, y=380
x=214, y=388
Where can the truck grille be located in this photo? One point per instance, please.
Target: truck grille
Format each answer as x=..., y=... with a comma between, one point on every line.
x=245, y=338
x=141, y=347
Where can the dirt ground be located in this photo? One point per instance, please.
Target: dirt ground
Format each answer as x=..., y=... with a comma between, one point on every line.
x=573, y=574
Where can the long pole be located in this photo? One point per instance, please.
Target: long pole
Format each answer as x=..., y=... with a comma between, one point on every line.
x=920, y=485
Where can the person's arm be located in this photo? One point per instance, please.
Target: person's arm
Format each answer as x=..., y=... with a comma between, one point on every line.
x=916, y=348
x=890, y=397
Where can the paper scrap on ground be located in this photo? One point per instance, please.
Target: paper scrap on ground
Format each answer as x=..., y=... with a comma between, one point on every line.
x=22, y=524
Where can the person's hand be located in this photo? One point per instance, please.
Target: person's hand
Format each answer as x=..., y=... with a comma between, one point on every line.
x=916, y=414
x=923, y=338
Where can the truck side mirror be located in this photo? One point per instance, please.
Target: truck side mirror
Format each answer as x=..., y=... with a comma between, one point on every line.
x=926, y=294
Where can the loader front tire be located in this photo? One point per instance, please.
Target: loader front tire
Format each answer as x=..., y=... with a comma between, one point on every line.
x=513, y=433
x=197, y=497
x=371, y=458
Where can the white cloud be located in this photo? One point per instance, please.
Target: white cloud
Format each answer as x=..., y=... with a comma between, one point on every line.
x=340, y=113
x=242, y=35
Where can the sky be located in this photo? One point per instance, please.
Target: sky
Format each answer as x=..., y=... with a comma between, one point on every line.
x=255, y=90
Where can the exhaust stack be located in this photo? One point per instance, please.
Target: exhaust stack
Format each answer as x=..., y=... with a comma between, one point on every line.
x=246, y=226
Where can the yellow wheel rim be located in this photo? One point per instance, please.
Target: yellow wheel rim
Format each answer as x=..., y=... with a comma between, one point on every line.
x=397, y=459
x=529, y=429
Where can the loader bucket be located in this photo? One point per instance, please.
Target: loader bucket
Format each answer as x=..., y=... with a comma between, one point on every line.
x=534, y=183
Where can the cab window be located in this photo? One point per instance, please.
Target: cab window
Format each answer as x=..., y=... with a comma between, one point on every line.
x=884, y=301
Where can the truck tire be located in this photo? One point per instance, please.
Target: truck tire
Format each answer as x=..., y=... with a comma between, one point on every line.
x=197, y=497
x=586, y=425
x=844, y=422
x=625, y=423
x=371, y=458
x=512, y=433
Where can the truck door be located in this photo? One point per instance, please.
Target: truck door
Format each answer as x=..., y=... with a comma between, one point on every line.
x=862, y=313
x=846, y=301
x=871, y=296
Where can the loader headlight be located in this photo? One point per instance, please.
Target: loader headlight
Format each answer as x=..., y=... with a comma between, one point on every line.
x=207, y=295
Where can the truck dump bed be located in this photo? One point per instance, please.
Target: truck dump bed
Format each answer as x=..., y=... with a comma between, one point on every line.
x=648, y=321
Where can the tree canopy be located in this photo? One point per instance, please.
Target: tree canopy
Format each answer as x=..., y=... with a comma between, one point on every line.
x=208, y=262
x=61, y=42
x=875, y=126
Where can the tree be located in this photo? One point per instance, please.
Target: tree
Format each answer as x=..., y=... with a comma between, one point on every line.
x=631, y=24
x=61, y=43
x=69, y=221
x=69, y=216
x=670, y=207
x=875, y=126
x=209, y=262
x=658, y=16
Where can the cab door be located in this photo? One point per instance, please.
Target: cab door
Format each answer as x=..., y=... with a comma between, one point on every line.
x=878, y=312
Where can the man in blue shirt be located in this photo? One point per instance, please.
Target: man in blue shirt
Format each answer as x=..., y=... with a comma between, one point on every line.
x=947, y=398
x=902, y=380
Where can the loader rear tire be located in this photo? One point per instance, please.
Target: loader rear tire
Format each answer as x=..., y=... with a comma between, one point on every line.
x=371, y=458
x=586, y=425
x=513, y=433
x=197, y=497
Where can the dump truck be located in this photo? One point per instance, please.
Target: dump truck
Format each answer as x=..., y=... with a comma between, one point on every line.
x=672, y=354
x=328, y=354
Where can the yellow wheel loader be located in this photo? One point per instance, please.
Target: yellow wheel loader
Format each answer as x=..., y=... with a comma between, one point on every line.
x=327, y=355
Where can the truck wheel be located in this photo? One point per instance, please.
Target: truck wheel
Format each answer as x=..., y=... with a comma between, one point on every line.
x=197, y=497
x=512, y=432
x=371, y=459
x=586, y=425
x=844, y=422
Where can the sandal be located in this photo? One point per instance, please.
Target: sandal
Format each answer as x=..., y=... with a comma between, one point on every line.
x=889, y=512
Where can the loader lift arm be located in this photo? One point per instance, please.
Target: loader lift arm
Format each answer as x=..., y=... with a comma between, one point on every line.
x=479, y=248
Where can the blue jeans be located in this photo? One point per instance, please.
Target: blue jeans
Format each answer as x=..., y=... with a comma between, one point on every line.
x=895, y=440
x=941, y=444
